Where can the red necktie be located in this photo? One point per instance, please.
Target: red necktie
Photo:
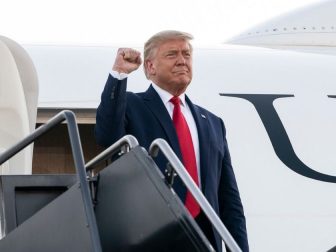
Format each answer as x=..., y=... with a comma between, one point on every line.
x=188, y=152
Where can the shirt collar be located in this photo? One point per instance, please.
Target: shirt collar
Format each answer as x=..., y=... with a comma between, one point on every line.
x=166, y=96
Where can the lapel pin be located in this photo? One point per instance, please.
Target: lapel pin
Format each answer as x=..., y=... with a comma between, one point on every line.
x=203, y=116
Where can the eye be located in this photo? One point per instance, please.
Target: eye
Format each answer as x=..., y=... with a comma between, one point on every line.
x=171, y=54
x=187, y=54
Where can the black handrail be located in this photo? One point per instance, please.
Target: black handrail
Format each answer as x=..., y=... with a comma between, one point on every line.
x=78, y=157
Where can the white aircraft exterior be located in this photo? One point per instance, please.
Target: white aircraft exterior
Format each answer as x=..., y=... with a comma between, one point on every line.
x=275, y=90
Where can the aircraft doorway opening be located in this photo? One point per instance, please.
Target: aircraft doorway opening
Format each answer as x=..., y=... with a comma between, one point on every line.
x=52, y=152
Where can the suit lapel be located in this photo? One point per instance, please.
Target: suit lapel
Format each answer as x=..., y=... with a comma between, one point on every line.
x=155, y=104
x=203, y=137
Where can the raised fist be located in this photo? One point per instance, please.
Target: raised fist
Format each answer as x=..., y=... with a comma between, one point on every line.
x=127, y=60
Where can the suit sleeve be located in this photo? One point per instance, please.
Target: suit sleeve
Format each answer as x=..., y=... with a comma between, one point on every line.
x=110, y=117
x=230, y=205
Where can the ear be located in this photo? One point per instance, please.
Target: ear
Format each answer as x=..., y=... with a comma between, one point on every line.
x=150, y=67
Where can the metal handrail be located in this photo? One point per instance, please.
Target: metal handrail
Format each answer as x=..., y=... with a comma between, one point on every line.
x=127, y=142
x=162, y=145
x=77, y=153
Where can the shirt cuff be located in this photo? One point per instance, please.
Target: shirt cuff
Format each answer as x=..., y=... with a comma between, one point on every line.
x=119, y=76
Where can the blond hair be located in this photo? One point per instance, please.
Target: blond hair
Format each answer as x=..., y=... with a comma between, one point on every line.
x=157, y=39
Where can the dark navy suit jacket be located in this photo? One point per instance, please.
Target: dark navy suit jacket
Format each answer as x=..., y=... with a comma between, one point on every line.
x=144, y=116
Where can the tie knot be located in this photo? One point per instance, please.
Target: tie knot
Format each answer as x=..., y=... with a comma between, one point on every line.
x=175, y=100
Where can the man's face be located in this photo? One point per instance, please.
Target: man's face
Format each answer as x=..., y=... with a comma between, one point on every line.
x=171, y=66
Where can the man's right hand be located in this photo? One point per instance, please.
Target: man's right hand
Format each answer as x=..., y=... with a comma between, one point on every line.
x=127, y=60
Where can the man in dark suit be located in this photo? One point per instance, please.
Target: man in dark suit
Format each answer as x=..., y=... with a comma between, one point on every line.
x=200, y=142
